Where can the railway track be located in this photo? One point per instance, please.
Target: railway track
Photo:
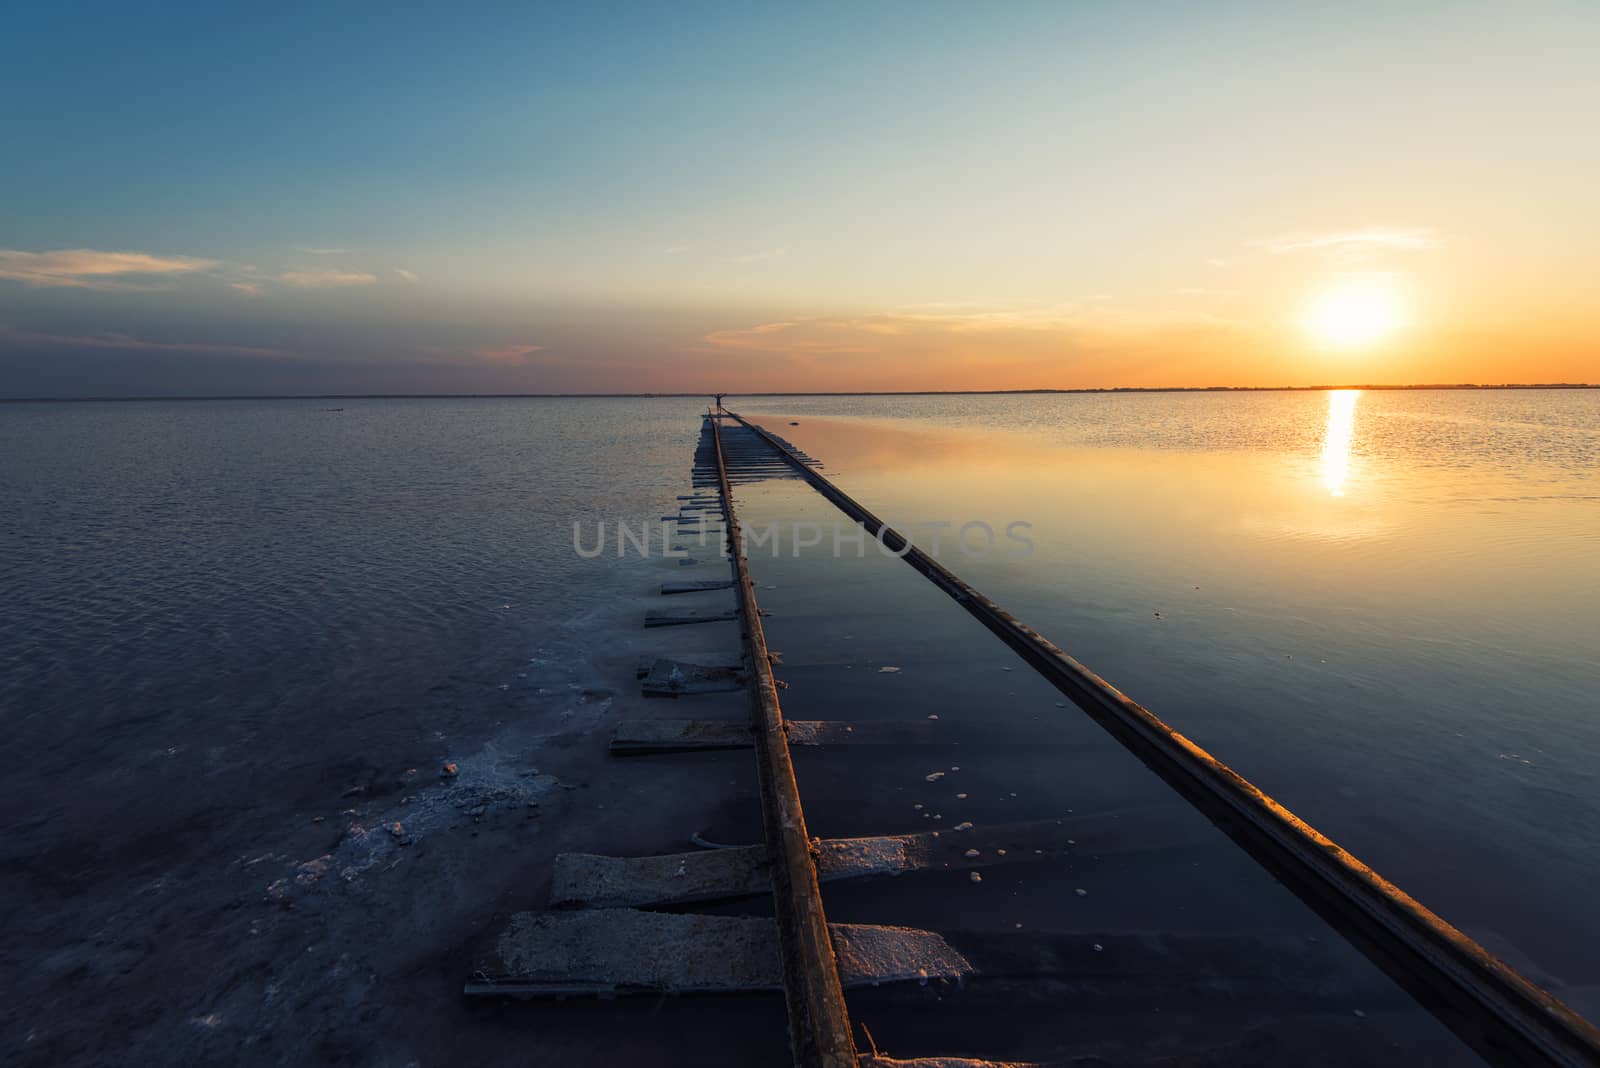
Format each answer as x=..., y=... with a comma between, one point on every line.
x=617, y=925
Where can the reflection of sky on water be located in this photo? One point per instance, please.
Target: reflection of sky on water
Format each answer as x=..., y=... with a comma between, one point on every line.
x=1363, y=637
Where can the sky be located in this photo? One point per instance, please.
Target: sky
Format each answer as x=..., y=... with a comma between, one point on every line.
x=222, y=199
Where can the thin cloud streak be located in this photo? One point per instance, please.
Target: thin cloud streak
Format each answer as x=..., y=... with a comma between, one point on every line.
x=508, y=354
x=1352, y=241
x=868, y=334
x=327, y=279
x=791, y=337
x=126, y=341
x=90, y=268
x=960, y=325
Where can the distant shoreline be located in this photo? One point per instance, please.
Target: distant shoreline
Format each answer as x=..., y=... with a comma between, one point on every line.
x=814, y=393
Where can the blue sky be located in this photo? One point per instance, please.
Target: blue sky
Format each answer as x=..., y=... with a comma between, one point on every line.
x=665, y=196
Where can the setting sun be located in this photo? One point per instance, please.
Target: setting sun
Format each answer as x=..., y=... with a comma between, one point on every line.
x=1355, y=314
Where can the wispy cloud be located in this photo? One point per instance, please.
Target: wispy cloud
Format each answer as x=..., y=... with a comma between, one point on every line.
x=965, y=326
x=870, y=333
x=327, y=279
x=126, y=341
x=508, y=354
x=764, y=254
x=89, y=267
x=1352, y=242
x=966, y=319
x=811, y=335
x=327, y=251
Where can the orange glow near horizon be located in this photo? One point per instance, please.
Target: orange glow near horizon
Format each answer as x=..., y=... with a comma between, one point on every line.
x=1399, y=310
x=1357, y=337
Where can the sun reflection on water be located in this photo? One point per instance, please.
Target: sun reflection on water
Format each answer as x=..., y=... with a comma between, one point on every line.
x=1336, y=442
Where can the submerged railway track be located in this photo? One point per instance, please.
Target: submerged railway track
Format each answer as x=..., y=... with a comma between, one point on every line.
x=609, y=939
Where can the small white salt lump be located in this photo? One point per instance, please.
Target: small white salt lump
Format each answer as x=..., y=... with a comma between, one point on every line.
x=964, y=825
x=1098, y=947
x=961, y=797
x=934, y=776
x=1000, y=852
x=933, y=715
x=971, y=853
x=1081, y=892
x=975, y=877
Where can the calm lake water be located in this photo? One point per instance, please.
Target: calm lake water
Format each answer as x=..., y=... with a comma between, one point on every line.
x=226, y=626
x=206, y=572
x=1381, y=607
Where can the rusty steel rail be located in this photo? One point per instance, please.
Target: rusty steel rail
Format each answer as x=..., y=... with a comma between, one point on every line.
x=1499, y=1013
x=819, y=1024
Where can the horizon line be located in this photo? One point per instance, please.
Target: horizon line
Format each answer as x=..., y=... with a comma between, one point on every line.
x=801, y=393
